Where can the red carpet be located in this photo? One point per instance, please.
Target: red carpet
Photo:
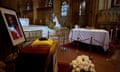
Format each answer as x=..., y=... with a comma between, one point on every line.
x=94, y=49
x=101, y=59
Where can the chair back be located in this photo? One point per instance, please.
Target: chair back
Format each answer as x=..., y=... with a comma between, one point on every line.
x=32, y=35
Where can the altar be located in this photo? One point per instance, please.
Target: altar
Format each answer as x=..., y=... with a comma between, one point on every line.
x=98, y=37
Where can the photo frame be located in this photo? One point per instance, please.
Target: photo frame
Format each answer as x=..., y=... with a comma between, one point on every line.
x=12, y=25
x=116, y=3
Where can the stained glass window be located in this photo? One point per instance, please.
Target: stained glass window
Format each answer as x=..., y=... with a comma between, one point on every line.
x=64, y=8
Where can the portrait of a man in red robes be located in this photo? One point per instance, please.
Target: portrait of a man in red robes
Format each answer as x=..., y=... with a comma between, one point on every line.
x=13, y=26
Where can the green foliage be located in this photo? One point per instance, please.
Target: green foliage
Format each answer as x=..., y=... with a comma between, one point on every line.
x=51, y=25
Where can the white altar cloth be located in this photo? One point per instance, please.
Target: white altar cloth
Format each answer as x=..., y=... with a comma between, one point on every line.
x=98, y=37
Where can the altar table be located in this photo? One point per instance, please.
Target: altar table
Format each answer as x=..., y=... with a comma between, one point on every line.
x=98, y=37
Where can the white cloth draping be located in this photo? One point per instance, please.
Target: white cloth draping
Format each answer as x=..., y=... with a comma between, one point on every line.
x=90, y=36
x=44, y=29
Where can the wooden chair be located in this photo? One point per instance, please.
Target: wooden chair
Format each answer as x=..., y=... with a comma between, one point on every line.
x=61, y=35
x=32, y=35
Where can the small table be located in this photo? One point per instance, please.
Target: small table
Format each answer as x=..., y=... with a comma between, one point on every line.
x=37, y=58
x=90, y=36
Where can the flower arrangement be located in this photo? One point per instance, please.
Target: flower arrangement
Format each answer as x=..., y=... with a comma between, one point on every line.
x=82, y=64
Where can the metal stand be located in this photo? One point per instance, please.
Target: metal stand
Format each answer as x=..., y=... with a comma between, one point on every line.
x=63, y=41
x=90, y=56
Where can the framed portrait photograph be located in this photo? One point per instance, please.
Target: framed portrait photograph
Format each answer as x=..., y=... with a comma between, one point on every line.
x=12, y=25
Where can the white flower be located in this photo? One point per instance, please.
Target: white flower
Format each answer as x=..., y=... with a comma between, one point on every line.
x=92, y=70
x=73, y=70
x=82, y=62
x=92, y=65
x=77, y=69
